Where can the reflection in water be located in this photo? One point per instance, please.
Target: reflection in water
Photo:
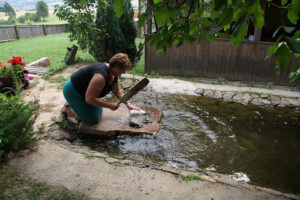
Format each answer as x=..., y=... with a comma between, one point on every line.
x=260, y=145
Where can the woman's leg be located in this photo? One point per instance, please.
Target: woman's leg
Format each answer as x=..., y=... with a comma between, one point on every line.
x=87, y=113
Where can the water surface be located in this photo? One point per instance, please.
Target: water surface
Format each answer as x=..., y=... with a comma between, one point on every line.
x=258, y=145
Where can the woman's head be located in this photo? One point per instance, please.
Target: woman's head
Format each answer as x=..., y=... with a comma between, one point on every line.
x=120, y=60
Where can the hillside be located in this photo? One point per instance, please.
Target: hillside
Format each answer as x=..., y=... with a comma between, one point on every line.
x=28, y=4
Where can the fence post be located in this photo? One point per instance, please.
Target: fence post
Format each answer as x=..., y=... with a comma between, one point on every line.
x=17, y=32
x=45, y=29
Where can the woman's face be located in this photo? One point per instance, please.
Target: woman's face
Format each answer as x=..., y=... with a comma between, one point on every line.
x=118, y=71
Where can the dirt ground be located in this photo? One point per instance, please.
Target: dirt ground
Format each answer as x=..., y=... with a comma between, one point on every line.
x=55, y=161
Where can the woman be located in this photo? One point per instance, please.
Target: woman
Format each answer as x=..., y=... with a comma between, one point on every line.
x=84, y=90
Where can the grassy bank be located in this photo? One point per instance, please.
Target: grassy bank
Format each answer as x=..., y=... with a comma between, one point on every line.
x=52, y=46
x=14, y=185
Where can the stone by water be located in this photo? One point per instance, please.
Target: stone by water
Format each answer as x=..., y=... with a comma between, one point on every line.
x=257, y=145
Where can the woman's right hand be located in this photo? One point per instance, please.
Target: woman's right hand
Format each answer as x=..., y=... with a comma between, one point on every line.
x=113, y=106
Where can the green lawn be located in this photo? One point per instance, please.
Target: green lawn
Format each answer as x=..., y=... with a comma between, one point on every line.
x=52, y=46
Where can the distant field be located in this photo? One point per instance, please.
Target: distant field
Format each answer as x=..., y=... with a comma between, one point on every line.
x=52, y=19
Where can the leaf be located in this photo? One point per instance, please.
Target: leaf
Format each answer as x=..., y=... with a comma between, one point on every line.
x=161, y=14
x=288, y=29
x=218, y=4
x=276, y=31
x=272, y=49
x=293, y=44
x=282, y=57
x=240, y=24
x=237, y=38
x=293, y=15
x=283, y=2
x=226, y=17
x=118, y=7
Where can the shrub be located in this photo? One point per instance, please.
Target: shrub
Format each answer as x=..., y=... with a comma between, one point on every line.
x=16, y=124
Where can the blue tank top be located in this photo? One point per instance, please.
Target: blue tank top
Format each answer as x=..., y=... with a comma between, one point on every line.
x=81, y=79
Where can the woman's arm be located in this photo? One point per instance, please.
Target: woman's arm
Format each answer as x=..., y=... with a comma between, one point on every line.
x=95, y=88
x=117, y=91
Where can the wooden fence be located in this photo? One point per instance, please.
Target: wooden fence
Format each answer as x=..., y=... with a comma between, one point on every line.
x=15, y=32
x=219, y=59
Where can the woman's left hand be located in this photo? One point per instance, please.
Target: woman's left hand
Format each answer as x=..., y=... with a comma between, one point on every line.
x=132, y=107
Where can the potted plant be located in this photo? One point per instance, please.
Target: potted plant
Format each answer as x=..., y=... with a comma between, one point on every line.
x=14, y=76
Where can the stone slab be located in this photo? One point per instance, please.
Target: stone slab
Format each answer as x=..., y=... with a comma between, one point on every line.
x=36, y=70
x=117, y=122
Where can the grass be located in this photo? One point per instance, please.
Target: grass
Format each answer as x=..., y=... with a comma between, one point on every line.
x=52, y=46
x=191, y=177
x=14, y=185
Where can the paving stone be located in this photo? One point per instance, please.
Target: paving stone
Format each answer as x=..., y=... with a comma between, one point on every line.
x=238, y=97
x=290, y=102
x=199, y=91
x=208, y=93
x=266, y=102
x=246, y=98
x=218, y=95
x=264, y=96
x=112, y=160
x=170, y=170
x=228, y=96
x=275, y=100
x=257, y=101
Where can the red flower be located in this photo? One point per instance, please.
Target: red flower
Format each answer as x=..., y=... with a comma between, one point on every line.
x=4, y=67
x=15, y=60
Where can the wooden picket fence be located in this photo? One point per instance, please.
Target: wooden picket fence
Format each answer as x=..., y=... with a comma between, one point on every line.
x=15, y=32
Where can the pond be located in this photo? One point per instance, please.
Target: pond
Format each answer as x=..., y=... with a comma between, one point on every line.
x=250, y=143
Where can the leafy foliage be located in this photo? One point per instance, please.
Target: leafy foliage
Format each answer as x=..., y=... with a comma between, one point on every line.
x=9, y=10
x=103, y=34
x=42, y=9
x=196, y=20
x=16, y=122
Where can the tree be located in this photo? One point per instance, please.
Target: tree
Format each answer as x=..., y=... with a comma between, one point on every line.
x=102, y=34
x=192, y=21
x=42, y=9
x=9, y=11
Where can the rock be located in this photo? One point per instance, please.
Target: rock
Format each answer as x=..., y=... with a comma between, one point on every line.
x=290, y=102
x=218, y=95
x=118, y=122
x=246, y=98
x=208, y=93
x=199, y=91
x=111, y=160
x=170, y=170
x=42, y=62
x=275, y=100
x=238, y=98
x=228, y=96
x=264, y=96
x=266, y=102
x=257, y=101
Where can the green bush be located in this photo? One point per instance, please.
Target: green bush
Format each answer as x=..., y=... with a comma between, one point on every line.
x=16, y=124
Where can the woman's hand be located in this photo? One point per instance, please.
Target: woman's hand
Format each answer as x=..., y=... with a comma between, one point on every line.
x=113, y=106
x=132, y=107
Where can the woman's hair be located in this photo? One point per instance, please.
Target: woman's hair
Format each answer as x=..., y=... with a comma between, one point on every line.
x=120, y=59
